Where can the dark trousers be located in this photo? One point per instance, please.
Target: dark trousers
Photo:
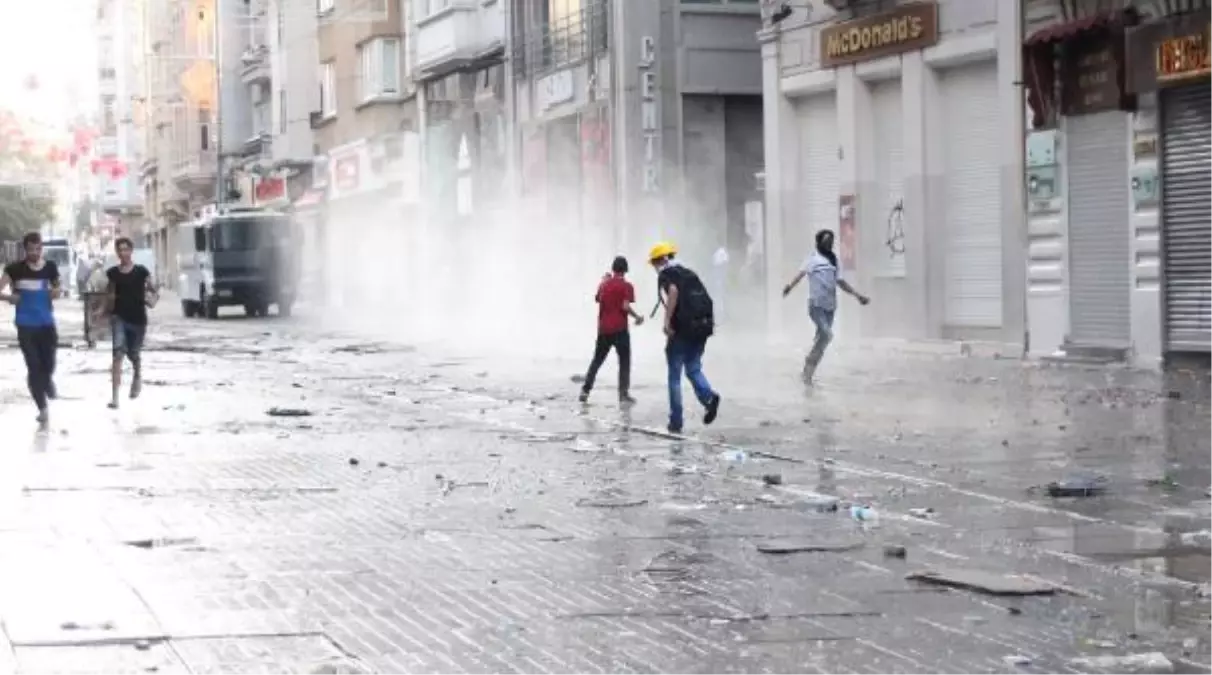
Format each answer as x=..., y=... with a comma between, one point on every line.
x=38, y=346
x=621, y=343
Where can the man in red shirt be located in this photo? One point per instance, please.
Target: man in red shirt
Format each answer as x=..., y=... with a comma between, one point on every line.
x=615, y=296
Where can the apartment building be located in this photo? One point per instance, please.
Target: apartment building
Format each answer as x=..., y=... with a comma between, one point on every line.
x=119, y=144
x=365, y=128
x=180, y=171
x=643, y=117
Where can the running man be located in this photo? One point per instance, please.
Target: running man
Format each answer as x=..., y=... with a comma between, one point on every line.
x=128, y=295
x=615, y=297
x=35, y=285
x=689, y=321
x=824, y=278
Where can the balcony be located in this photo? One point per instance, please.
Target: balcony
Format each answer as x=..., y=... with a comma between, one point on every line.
x=195, y=173
x=568, y=39
x=254, y=64
x=458, y=35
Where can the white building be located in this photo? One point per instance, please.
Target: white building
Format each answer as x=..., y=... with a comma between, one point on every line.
x=292, y=61
x=899, y=126
x=119, y=146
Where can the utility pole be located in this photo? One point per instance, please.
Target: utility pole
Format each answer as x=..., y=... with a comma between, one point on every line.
x=219, y=179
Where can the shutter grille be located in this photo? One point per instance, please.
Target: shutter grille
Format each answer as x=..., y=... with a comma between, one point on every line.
x=1187, y=217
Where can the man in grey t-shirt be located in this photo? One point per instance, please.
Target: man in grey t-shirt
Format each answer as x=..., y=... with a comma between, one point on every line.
x=824, y=278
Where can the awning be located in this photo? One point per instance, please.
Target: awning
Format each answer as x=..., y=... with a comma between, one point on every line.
x=1058, y=32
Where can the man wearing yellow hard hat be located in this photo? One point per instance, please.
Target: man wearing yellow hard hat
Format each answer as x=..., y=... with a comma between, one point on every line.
x=689, y=321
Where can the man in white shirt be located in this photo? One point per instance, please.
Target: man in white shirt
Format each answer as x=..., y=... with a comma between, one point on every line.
x=824, y=278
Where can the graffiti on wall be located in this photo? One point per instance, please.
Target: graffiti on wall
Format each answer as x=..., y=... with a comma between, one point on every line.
x=894, y=234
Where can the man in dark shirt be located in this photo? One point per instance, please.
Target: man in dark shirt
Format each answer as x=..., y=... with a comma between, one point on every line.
x=130, y=291
x=689, y=321
x=615, y=297
x=35, y=284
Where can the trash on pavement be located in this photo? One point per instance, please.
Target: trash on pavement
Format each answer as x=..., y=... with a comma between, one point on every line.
x=1078, y=486
x=1016, y=660
x=863, y=513
x=782, y=546
x=288, y=412
x=1149, y=662
x=895, y=551
x=735, y=456
x=353, y=461
x=984, y=582
x=923, y=513
x=772, y=479
x=1201, y=539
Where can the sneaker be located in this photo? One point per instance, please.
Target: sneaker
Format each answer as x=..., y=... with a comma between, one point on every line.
x=674, y=430
x=112, y=405
x=626, y=399
x=136, y=386
x=713, y=409
x=584, y=397
x=52, y=392
x=43, y=416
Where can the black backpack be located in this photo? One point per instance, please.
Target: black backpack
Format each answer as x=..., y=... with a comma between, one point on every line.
x=694, y=316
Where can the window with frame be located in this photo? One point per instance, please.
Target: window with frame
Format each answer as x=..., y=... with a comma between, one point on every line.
x=380, y=69
x=426, y=8
x=328, y=89
x=325, y=6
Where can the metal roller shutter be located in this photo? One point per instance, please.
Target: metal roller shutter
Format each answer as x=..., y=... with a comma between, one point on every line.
x=1100, y=299
x=973, y=197
x=884, y=209
x=816, y=193
x=1187, y=217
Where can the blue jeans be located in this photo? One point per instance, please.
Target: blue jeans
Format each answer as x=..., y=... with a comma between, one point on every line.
x=685, y=355
x=823, y=319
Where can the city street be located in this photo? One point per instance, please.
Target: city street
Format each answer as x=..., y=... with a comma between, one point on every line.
x=291, y=497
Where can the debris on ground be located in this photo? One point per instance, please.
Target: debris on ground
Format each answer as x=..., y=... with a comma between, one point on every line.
x=1078, y=486
x=819, y=503
x=925, y=513
x=1016, y=660
x=895, y=551
x=772, y=479
x=353, y=461
x=611, y=502
x=984, y=582
x=578, y=378
x=782, y=546
x=1201, y=539
x=734, y=456
x=1167, y=482
x=863, y=513
x=1150, y=662
x=288, y=412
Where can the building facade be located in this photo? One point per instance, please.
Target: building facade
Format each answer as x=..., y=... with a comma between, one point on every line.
x=180, y=171
x=118, y=152
x=899, y=126
x=365, y=128
x=638, y=120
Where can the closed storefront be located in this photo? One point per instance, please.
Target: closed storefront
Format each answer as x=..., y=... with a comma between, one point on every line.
x=816, y=192
x=1099, y=254
x=972, y=198
x=1169, y=60
x=1187, y=217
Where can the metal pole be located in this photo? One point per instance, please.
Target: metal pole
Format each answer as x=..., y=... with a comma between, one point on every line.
x=219, y=196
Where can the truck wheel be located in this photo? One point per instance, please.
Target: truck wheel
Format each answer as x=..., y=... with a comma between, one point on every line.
x=208, y=307
x=251, y=310
x=187, y=309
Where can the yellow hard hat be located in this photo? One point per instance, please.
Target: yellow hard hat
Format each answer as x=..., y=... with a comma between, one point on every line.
x=662, y=249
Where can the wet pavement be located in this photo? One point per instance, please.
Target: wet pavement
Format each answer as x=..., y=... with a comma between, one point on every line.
x=437, y=506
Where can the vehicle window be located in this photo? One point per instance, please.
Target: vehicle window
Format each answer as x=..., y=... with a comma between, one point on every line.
x=244, y=234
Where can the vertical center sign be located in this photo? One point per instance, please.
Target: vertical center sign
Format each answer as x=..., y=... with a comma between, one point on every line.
x=650, y=125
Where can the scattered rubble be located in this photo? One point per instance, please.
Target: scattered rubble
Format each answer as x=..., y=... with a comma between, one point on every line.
x=288, y=412
x=1078, y=486
x=1150, y=662
x=895, y=551
x=772, y=479
x=985, y=582
x=783, y=546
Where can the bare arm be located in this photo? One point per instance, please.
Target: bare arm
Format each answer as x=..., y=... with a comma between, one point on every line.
x=845, y=286
x=111, y=296
x=671, y=303
x=799, y=276
x=630, y=309
x=5, y=284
